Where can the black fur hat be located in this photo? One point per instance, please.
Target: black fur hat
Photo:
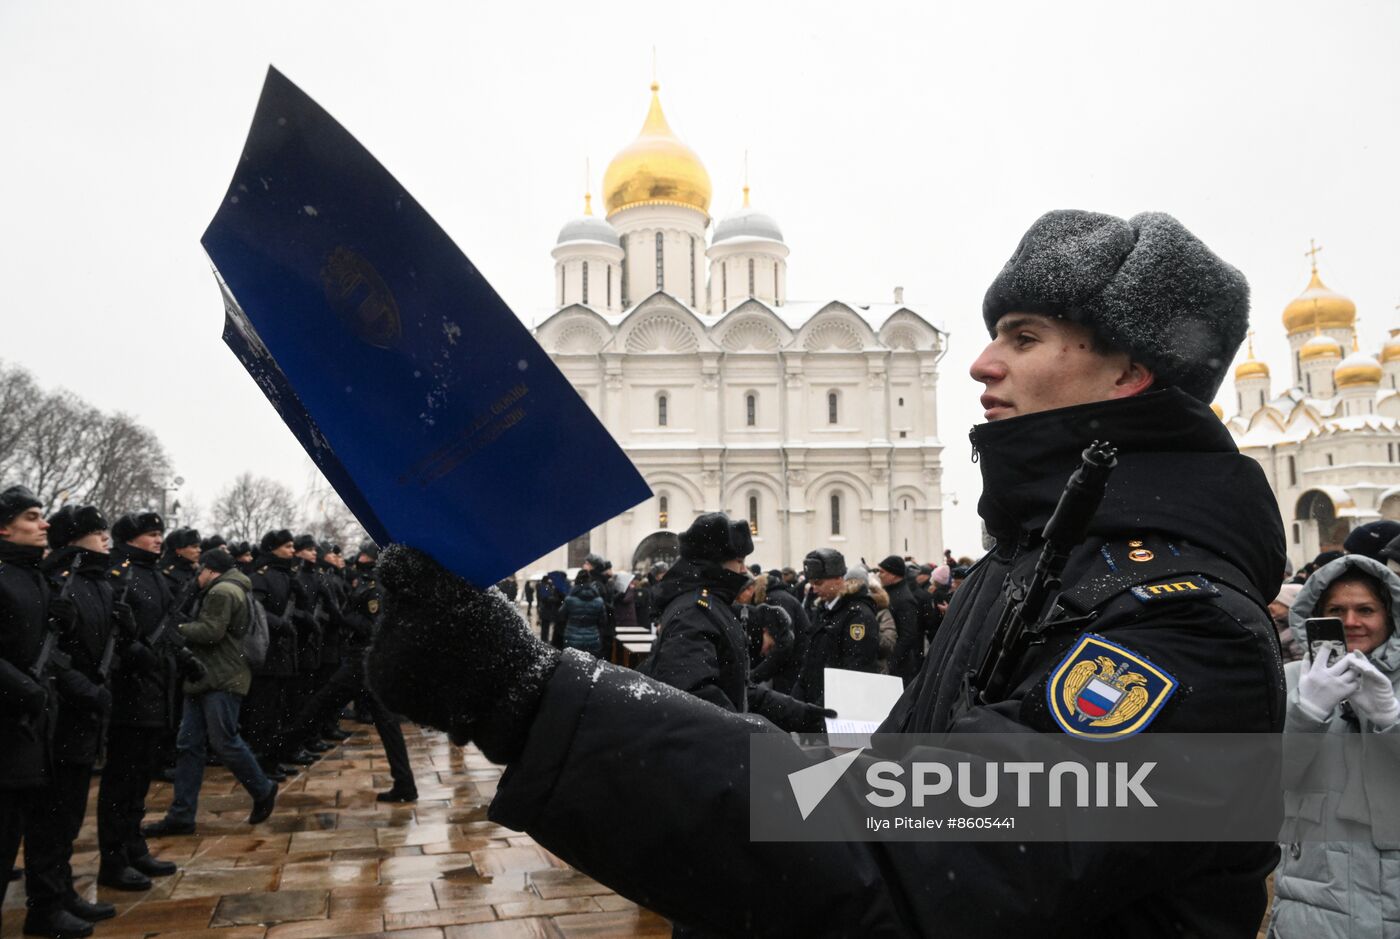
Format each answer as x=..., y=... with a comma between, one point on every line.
x=369, y=549
x=239, y=548
x=212, y=542
x=72, y=522
x=1370, y=539
x=823, y=563
x=303, y=542
x=134, y=524
x=182, y=538
x=15, y=500
x=714, y=537
x=1146, y=285
x=275, y=539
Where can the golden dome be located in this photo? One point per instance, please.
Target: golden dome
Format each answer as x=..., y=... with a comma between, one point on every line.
x=656, y=169
x=1320, y=347
x=1218, y=411
x=1318, y=306
x=1390, y=352
x=1357, y=369
x=1251, y=367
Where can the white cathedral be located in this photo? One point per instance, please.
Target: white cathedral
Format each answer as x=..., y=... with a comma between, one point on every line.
x=1329, y=442
x=814, y=421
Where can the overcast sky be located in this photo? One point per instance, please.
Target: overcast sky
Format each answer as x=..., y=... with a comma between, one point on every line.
x=896, y=144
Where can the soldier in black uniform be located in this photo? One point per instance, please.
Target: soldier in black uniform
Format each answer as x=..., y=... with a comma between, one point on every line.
x=310, y=622
x=266, y=715
x=27, y=705
x=179, y=560
x=1101, y=329
x=334, y=592
x=844, y=632
x=143, y=688
x=700, y=647
x=361, y=615
x=78, y=561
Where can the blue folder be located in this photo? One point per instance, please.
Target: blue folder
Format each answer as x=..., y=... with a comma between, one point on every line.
x=420, y=396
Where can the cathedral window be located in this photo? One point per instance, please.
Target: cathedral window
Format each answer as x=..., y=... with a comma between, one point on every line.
x=663, y=515
x=1292, y=471
x=750, y=409
x=561, y=285
x=692, y=270
x=724, y=285
x=661, y=407
x=1329, y=459
x=660, y=261
x=1308, y=379
x=1239, y=402
x=585, y=283
x=836, y=515
x=753, y=514
x=775, y=281
x=751, y=293
x=833, y=407
x=624, y=271
x=610, y=286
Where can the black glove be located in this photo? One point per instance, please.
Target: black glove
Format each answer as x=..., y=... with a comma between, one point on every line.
x=138, y=657
x=454, y=657
x=125, y=617
x=64, y=612
x=814, y=718
x=191, y=669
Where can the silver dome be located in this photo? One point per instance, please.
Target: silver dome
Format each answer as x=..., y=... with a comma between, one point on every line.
x=589, y=228
x=746, y=223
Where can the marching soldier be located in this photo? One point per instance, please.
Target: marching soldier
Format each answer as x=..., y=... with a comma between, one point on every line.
x=310, y=622
x=265, y=716
x=83, y=582
x=27, y=709
x=362, y=612
x=143, y=706
x=330, y=575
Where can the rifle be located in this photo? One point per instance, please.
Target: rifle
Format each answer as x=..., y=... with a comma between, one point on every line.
x=49, y=653
x=1020, y=626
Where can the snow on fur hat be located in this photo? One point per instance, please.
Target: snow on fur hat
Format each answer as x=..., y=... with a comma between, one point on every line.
x=15, y=500
x=72, y=522
x=714, y=536
x=275, y=539
x=1146, y=285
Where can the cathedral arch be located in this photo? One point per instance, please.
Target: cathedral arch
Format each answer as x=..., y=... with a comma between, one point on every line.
x=683, y=496
x=659, y=324
x=1319, y=507
x=579, y=338
x=836, y=328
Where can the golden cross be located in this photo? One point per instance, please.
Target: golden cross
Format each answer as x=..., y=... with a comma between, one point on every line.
x=1251, y=343
x=1312, y=252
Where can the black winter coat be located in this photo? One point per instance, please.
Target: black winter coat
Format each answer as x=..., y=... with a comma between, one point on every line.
x=78, y=727
x=25, y=704
x=333, y=592
x=144, y=684
x=908, y=655
x=310, y=618
x=843, y=636
x=785, y=676
x=701, y=648
x=362, y=613
x=684, y=766
x=272, y=585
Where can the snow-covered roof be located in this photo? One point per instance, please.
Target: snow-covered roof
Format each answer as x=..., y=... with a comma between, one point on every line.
x=794, y=315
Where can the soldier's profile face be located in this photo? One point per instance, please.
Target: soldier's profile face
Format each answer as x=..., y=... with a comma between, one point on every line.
x=189, y=552
x=828, y=588
x=283, y=550
x=97, y=541
x=28, y=528
x=1040, y=363
x=148, y=541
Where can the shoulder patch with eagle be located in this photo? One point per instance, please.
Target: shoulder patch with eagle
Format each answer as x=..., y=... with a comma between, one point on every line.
x=1103, y=691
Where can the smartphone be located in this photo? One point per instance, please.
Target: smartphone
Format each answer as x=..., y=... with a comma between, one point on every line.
x=1325, y=637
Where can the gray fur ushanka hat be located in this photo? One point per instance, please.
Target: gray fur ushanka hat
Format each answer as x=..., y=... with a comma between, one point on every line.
x=1146, y=285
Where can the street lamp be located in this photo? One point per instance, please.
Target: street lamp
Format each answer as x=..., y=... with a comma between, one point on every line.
x=173, y=486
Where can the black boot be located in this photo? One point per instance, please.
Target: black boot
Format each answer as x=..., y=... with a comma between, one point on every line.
x=153, y=867
x=123, y=878
x=92, y=912
x=398, y=795
x=56, y=923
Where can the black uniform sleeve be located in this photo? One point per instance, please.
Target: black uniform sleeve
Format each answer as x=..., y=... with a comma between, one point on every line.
x=686, y=657
x=19, y=693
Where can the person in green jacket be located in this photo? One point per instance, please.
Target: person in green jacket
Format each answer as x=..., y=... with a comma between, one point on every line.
x=210, y=717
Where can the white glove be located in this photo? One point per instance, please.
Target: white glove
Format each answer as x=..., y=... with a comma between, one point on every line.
x=1375, y=699
x=1324, y=686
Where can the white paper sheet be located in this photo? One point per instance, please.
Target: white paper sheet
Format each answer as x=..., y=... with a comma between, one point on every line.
x=861, y=700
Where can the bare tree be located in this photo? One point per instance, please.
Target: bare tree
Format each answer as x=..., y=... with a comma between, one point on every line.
x=18, y=397
x=129, y=466
x=252, y=505
x=330, y=519
x=57, y=445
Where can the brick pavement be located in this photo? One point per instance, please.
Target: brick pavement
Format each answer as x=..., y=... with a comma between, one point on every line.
x=333, y=862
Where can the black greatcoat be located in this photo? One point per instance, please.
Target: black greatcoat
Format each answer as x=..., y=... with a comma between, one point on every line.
x=272, y=585
x=332, y=590
x=701, y=648
x=683, y=764
x=306, y=589
x=908, y=655
x=843, y=636
x=78, y=729
x=143, y=686
x=24, y=702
